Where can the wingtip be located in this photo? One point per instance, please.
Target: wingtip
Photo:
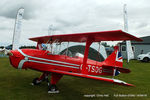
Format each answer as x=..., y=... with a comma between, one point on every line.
x=119, y=82
x=130, y=85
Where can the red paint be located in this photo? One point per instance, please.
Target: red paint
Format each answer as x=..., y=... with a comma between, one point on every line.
x=88, y=43
x=60, y=65
x=115, y=35
x=92, y=67
x=55, y=78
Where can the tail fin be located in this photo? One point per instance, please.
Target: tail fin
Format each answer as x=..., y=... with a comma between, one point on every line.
x=115, y=59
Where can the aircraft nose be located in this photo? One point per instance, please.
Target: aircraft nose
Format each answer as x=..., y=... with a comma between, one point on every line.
x=15, y=58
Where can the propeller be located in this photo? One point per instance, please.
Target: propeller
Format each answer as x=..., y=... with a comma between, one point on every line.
x=6, y=52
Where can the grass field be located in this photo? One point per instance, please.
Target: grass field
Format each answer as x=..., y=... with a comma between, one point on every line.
x=15, y=85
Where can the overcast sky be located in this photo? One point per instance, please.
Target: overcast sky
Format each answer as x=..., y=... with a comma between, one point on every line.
x=72, y=16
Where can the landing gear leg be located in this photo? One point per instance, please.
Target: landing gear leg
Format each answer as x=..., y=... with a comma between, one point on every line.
x=54, y=79
x=43, y=77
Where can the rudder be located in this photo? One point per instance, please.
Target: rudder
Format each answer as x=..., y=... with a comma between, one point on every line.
x=115, y=59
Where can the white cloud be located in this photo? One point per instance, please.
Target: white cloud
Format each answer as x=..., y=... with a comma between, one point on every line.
x=71, y=16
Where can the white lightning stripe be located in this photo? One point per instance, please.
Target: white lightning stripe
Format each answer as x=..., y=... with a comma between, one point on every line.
x=119, y=81
x=22, y=53
x=46, y=59
x=52, y=64
x=115, y=80
x=21, y=64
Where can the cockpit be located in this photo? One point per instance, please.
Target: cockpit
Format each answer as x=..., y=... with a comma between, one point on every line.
x=74, y=50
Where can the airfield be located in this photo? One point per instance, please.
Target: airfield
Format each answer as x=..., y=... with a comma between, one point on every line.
x=15, y=85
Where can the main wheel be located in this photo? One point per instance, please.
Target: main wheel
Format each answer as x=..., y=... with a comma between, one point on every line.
x=36, y=81
x=146, y=59
x=53, y=89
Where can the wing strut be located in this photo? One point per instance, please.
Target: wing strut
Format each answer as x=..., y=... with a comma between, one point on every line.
x=86, y=52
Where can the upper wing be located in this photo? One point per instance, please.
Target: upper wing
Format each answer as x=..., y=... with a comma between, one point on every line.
x=116, y=35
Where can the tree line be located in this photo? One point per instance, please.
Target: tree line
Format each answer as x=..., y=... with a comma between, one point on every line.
x=21, y=47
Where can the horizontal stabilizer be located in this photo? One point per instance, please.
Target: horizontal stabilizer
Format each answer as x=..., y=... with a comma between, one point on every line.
x=92, y=77
x=121, y=69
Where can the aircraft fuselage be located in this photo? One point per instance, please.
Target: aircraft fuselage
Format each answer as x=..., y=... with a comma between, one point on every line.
x=43, y=60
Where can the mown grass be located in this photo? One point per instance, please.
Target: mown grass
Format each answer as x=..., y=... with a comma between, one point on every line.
x=15, y=85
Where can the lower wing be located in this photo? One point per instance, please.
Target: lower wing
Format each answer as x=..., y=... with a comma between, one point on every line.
x=116, y=81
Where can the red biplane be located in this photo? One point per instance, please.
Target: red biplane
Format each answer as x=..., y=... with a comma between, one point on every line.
x=58, y=65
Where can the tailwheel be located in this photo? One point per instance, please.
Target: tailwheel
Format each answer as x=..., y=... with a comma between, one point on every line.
x=36, y=81
x=53, y=89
